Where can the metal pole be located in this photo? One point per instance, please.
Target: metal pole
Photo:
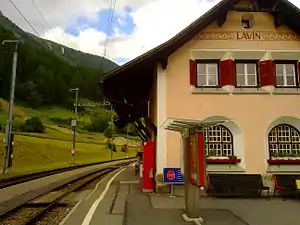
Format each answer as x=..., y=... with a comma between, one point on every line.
x=112, y=132
x=172, y=191
x=11, y=105
x=74, y=124
x=191, y=192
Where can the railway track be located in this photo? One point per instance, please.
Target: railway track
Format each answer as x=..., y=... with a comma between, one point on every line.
x=52, y=207
x=7, y=182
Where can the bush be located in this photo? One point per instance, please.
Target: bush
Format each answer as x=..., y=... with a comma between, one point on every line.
x=108, y=133
x=99, y=122
x=112, y=146
x=17, y=124
x=34, y=124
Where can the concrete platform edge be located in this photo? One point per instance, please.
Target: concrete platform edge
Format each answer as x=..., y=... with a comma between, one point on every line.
x=30, y=195
x=108, y=176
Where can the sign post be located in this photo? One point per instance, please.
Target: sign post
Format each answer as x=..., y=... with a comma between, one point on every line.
x=173, y=176
x=194, y=162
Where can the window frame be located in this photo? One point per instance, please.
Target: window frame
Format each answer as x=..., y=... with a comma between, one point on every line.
x=208, y=61
x=256, y=62
x=277, y=142
x=205, y=133
x=287, y=62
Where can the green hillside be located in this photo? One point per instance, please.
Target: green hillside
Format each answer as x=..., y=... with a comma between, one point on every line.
x=73, y=56
x=44, y=77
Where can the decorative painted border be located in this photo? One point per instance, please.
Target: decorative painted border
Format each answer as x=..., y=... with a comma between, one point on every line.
x=248, y=36
x=224, y=161
x=284, y=161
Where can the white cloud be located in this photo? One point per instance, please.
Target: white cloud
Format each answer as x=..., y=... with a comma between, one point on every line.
x=155, y=22
x=88, y=40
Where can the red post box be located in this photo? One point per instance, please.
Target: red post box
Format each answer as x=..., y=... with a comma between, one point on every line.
x=148, y=166
x=197, y=160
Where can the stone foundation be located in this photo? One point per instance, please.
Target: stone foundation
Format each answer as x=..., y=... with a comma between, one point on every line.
x=161, y=187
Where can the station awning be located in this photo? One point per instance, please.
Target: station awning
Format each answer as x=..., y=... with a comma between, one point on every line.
x=179, y=124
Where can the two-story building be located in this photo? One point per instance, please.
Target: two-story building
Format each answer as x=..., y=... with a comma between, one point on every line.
x=239, y=61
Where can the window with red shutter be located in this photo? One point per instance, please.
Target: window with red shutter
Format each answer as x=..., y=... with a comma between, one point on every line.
x=207, y=74
x=227, y=72
x=298, y=71
x=267, y=75
x=286, y=74
x=193, y=72
x=246, y=74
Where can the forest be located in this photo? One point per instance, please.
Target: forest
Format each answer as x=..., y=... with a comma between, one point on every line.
x=45, y=73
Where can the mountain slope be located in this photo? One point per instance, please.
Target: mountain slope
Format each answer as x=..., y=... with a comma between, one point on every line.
x=43, y=77
x=73, y=56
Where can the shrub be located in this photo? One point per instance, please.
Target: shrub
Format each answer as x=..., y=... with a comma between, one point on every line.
x=99, y=122
x=112, y=146
x=108, y=133
x=34, y=124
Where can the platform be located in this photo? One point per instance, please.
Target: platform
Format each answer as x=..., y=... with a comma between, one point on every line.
x=22, y=192
x=120, y=201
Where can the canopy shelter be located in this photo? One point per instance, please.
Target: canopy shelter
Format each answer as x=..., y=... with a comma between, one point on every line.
x=188, y=129
x=180, y=125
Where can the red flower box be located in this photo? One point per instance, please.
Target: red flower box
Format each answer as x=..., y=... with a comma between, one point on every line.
x=284, y=161
x=225, y=161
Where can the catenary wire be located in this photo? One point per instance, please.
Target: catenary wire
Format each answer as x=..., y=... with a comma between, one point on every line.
x=24, y=17
x=45, y=20
x=108, y=29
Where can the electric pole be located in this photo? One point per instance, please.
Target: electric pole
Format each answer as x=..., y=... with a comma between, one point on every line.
x=8, y=130
x=74, y=123
x=112, y=129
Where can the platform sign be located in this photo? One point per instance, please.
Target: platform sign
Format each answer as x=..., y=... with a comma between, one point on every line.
x=173, y=175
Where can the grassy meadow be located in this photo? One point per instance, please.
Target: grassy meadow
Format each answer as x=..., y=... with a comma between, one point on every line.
x=35, y=152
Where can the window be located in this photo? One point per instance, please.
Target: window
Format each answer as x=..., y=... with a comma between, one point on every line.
x=247, y=21
x=218, y=141
x=246, y=74
x=284, y=140
x=207, y=74
x=286, y=74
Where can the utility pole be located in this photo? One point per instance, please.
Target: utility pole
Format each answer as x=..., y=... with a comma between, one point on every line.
x=8, y=130
x=112, y=131
x=74, y=122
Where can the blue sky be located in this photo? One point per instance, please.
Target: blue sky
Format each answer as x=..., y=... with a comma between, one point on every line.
x=126, y=25
x=121, y=60
x=123, y=24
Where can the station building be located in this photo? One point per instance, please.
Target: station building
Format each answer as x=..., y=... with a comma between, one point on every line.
x=239, y=61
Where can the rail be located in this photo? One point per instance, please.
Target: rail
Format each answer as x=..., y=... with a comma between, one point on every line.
x=37, y=208
x=10, y=181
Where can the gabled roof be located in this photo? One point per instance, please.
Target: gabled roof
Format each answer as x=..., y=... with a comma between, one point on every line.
x=128, y=87
x=289, y=13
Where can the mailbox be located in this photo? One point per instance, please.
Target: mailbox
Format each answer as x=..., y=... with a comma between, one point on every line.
x=197, y=160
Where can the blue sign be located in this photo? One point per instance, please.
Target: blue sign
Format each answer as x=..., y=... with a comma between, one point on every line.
x=173, y=175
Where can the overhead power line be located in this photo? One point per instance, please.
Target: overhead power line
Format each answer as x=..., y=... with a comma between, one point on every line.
x=32, y=27
x=108, y=28
x=24, y=18
x=44, y=19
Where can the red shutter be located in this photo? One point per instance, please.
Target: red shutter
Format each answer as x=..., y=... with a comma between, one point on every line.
x=193, y=72
x=267, y=74
x=227, y=72
x=298, y=66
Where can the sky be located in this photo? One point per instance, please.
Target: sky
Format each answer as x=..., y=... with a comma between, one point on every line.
x=136, y=26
